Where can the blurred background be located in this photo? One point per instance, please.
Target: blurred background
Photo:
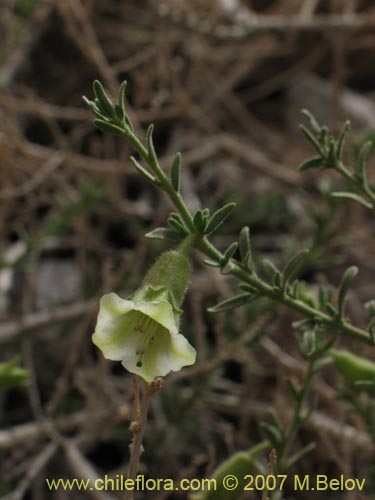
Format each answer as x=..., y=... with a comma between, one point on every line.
x=224, y=82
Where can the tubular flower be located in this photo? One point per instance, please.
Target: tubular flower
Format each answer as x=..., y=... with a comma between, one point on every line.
x=142, y=331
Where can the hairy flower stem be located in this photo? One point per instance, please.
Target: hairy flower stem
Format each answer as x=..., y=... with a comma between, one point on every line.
x=141, y=405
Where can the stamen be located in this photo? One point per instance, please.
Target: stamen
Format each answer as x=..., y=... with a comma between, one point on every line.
x=147, y=328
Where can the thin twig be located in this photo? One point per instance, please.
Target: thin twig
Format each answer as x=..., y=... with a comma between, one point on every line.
x=271, y=471
x=141, y=405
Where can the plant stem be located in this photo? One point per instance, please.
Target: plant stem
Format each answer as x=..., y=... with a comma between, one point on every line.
x=336, y=325
x=186, y=243
x=141, y=405
x=340, y=327
x=297, y=415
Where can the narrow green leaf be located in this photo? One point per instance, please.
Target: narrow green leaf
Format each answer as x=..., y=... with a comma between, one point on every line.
x=119, y=114
x=298, y=455
x=121, y=98
x=314, y=162
x=247, y=288
x=311, y=138
x=143, y=171
x=323, y=136
x=345, y=284
x=277, y=280
x=292, y=267
x=245, y=248
x=272, y=434
x=108, y=127
x=353, y=197
x=176, y=172
x=175, y=221
x=233, y=302
x=104, y=101
x=294, y=391
x=150, y=144
x=365, y=153
x=332, y=158
x=164, y=233
x=230, y=251
x=341, y=141
x=269, y=267
x=199, y=222
x=312, y=121
x=219, y=217
x=275, y=419
x=129, y=123
x=94, y=108
x=321, y=363
x=212, y=263
x=308, y=341
x=331, y=310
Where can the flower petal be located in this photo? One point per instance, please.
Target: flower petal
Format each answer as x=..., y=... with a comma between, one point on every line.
x=112, y=327
x=165, y=354
x=161, y=312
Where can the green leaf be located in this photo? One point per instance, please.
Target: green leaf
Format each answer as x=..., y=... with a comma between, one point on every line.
x=199, y=221
x=176, y=172
x=353, y=197
x=365, y=153
x=129, y=123
x=316, y=128
x=175, y=221
x=245, y=248
x=219, y=217
x=332, y=155
x=331, y=310
x=269, y=267
x=341, y=141
x=108, y=127
x=298, y=455
x=119, y=114
x=12, y=375
x=104, y=101
x=314, y=162
x=150, y=145
x=277, y=279
x=294, y=391
x=292, y=267
x=212, y=263
x=229, y=252
x=345, y=284
x=308, y=341
x=321, y=363
x=121, y=98
x=164, y=233
x=93, y=107
x=143, y=171
x=247, y=288
x=274, y=417
x=272, y=434
x=311, y=138
x=233, y=302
